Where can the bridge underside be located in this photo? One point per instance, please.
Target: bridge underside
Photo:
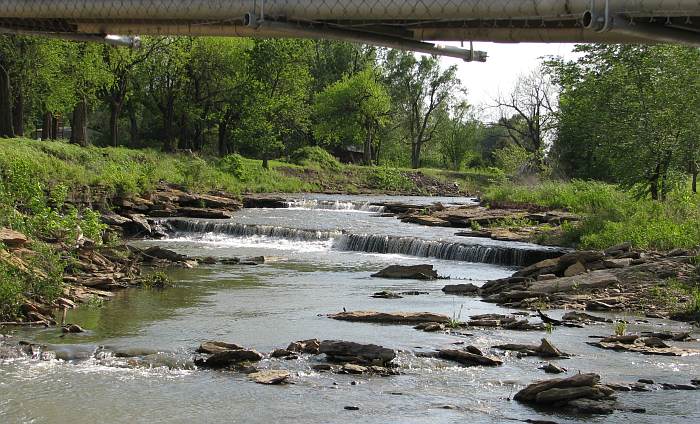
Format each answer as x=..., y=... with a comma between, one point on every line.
x=404, y=24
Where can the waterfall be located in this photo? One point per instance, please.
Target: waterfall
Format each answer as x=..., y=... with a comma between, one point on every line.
x=373, y=243
x=334, y=205
x=249, y=230
x=497, y=255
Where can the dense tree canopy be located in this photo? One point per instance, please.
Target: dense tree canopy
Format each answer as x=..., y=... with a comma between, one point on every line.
x=627, y=114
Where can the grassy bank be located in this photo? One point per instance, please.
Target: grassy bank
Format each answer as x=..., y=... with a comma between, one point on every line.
x=613, y=216
x=126, y=171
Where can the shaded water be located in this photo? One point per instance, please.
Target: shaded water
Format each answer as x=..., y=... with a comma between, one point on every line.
x=268, y=306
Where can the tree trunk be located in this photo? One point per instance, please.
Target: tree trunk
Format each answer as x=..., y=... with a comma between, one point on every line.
x=55, y=123
x=654, y=183
x=18, y=114
x=170, y=144
x=115, y=109
x=79, y=124
x=415, y=155
x=265, y=162
x=223, y=135
x=133, y=128
x=695, y=182
x=47, y=126
x=6, y=127
x=367, y=156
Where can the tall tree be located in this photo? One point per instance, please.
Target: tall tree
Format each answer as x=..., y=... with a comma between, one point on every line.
x=352, y=111
x=419, y=87
x=527, y=113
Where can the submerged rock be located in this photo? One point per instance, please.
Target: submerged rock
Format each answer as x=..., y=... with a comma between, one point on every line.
x=552, y=369
x=72, y=329
x=412, y=272
x=270, y=377
x=407, y=318
x=342, y=351
x=468, y=358
x=386, y=295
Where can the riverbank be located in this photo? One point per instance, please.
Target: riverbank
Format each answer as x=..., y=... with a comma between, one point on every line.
x=127, y=188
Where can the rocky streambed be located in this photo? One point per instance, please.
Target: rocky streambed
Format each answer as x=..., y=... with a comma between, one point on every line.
x=281, y=325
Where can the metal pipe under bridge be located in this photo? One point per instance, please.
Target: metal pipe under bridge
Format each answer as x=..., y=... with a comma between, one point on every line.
x=405, y=24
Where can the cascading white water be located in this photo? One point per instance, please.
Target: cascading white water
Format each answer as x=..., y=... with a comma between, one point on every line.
x=335, y=205
x=247, y=230
x=498, y=255
x=374, y=243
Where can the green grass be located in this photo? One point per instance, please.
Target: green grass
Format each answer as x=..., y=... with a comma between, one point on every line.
x=611, y=215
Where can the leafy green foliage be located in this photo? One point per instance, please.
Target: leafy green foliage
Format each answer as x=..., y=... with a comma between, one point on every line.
x=315, y=156
x=613, y=216
x=629, y=113
x=156, y=280
x=390, y=179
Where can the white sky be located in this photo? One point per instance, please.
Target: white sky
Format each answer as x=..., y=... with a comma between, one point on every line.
x=505, y=63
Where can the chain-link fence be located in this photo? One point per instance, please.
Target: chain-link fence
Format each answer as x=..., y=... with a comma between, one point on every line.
x=396, y=23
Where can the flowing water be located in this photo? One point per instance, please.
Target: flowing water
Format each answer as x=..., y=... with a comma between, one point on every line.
x=321, y=251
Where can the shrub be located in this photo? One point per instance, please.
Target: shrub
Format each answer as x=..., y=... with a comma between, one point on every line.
x=157, y=280
x=315, y=156
x=390, y=179
x=236, y=166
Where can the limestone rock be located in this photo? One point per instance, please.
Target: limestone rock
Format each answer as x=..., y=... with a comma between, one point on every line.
x=406, y=318
x=311, y=346
x=228, y=358
x=461, y=289
x=576, y=269
x=270, y=377
x=468, y=358
x=12, y=239
x=412, y=272
x=343, y=351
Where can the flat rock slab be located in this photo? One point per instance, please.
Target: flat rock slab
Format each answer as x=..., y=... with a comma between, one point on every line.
x=585, y=282
x=12, y=239
x=530, y=392
x=344, y=351
x=212, y=347
x=643, y=345
x=461, y=289
x=270, y=377
x=545, y=350
x=405, y=318
x=412, y=272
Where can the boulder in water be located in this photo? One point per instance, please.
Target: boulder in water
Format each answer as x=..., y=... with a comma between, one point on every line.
x=156, y=252
x=229, y=358
x=270, y=377
x=461, y=289
x=467, y=358
x=581, y=393
x=212, y=347
x=412, y=272
x=310, y=346
x=72, y=329
x=342, y=351
x=386, y=295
